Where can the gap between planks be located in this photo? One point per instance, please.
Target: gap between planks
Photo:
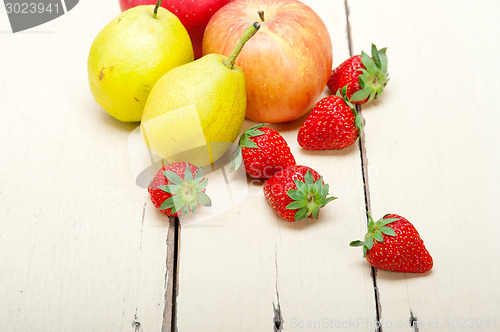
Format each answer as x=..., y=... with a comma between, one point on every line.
x=413, y=321
x=172, y=264
x=364, y=172
x=171, y=277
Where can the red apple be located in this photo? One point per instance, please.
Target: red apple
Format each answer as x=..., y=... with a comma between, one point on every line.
x=286, y=64
x=193, y=14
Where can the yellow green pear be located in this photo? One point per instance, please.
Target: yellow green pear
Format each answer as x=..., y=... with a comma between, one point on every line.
x=130, y=54
x=195, y=111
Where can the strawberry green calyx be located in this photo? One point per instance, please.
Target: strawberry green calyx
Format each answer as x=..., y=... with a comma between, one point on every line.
x=187, y=194
x=375, y=231
x=309, y=197
x=245, y=141
x=374, y=76
x=251, y=132
x=342, y=93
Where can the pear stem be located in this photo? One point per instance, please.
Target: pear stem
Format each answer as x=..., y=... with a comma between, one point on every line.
x=229, y=62
x=155, y=13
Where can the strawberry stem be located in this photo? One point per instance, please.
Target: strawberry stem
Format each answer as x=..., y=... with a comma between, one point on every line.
x=342, y=93
x=245, y=141
x=374, y=76
x=376, y=232
x=186, y=193
x=309, y=197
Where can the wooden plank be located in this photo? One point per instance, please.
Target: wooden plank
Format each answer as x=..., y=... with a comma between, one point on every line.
x=82, y=247
x=432, y=151
x=245, y=269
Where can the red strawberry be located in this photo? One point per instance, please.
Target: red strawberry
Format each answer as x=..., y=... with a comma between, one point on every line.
x=392, y=243
x=178, y=189
x=297, y=192
x=333, y=124
x=263, y=151
x=364, y=77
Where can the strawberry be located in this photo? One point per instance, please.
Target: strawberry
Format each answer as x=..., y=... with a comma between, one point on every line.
x=392, y=243
x=333, y=124
x=178, y=189
x=297, y=192
x=364, y=77
x=263, y=151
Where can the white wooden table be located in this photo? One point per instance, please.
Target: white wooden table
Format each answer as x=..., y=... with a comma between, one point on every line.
x=83, y=249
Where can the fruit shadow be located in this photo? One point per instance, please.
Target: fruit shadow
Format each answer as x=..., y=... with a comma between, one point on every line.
x=398, y=276
x=292, y=128
x=337, y=153
x=372, y=106
x=111, y=122
x=299, y=225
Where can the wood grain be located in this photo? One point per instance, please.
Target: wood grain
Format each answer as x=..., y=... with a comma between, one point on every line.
x=82, y=248
x=249, y=270
x=433, y=157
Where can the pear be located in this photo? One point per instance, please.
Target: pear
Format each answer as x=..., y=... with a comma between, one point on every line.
x=195, y=111
x=130, y=54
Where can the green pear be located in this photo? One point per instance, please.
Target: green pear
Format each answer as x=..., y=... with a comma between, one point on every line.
x=195, y=111
x=130, y=54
